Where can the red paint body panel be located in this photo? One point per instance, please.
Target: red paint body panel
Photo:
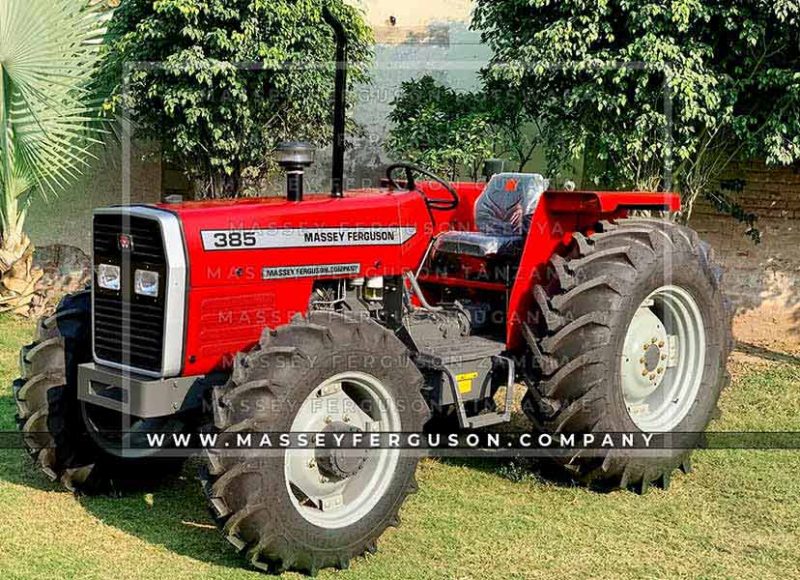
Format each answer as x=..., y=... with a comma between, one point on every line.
x=610, y=201
x=230, y=303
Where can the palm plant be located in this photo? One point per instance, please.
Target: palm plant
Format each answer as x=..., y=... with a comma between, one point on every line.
x=49, y=50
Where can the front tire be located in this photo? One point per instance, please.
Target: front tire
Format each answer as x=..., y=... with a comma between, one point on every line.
x=633, y=334
x=52, y=419
x=297, y=509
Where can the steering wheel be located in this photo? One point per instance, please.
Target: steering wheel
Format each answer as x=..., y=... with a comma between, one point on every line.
x=411, y=185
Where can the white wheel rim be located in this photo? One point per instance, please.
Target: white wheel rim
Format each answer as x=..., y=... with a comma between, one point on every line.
x=662, y=361
x=359, y=400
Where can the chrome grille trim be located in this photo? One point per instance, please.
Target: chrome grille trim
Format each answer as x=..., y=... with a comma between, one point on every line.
x=175, y=293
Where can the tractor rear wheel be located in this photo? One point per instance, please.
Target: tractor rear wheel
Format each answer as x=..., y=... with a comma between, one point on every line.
x=52, y=419
x=308, y=509
x=633, y=334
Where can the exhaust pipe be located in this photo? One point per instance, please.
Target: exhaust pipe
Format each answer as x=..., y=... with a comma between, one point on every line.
x=340, y=88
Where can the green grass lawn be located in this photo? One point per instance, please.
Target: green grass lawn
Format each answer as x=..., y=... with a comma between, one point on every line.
x=736, y=515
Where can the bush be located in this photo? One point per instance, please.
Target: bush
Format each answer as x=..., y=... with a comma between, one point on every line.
x=453, y=132
x=229, y=79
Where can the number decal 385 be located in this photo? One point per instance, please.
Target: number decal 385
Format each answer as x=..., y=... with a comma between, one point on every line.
x=234, y=239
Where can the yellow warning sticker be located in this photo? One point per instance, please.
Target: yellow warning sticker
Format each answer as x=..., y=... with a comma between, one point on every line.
x=464, y=381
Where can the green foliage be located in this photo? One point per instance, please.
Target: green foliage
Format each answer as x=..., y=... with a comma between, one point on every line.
x=452, y=132
x=48, y=53
x=439, y=128
x=637, y=87
x=226, y=80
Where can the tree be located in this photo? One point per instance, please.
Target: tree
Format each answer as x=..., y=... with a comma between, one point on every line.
x=220, y=82
x=439, y=128
x=649, y=92
x=452, y=132
x=48, y=54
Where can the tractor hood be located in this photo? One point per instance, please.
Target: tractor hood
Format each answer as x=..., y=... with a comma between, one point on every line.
x=377, y=229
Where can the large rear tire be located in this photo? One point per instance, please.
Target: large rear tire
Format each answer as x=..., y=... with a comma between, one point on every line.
x=633, y=334
x=296, y=510
x=52, y=419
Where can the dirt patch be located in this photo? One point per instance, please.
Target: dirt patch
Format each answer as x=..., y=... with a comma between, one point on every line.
x=772, y=326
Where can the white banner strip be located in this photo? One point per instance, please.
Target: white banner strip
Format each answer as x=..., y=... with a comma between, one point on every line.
x=256, y=239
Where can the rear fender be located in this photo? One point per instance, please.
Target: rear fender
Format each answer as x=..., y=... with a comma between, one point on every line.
x=557, y=216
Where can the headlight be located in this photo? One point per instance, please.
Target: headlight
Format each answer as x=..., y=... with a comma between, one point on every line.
x=146, y=283
x=108, y=276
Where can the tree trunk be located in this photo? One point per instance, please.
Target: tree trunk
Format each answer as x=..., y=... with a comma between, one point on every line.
x=217, y=186
x=18, y=277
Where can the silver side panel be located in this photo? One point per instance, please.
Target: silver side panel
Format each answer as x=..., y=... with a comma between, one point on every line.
x=175, y=304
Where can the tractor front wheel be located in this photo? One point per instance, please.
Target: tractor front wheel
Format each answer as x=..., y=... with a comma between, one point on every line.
x=311, y=508
x=55, y=424
x=633, y=334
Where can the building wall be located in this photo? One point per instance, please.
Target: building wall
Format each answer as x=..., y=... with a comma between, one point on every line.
x=773, y=193
x=66, y=218
x=409, y=13
x=765, y=274
x=413, y=38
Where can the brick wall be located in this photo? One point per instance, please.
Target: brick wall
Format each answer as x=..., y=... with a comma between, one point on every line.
x=772, y=193
x=769, y=272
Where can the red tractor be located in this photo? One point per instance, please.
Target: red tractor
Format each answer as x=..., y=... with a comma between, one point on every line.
x=376, y=311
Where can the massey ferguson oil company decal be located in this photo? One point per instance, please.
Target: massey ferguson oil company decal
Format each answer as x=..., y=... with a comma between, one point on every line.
x=309, y=271
x=305, y=237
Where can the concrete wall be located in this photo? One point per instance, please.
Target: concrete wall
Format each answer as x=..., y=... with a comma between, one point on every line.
x=66, y=218
x=413, y=38
x=409, y=13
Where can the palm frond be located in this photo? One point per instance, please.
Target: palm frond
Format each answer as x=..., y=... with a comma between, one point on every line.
x=49, y=51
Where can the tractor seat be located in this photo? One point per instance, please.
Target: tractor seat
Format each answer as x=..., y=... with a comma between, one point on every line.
x=502, y=214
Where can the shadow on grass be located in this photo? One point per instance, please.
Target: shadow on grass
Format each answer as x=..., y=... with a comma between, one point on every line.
x=172, y=515
x=767, y=354
x=515, y=469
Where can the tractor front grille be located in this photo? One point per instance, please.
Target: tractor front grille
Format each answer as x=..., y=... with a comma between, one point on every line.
x=129, y=328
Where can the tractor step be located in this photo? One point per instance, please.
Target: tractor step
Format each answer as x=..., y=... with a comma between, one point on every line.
x=462, y=371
